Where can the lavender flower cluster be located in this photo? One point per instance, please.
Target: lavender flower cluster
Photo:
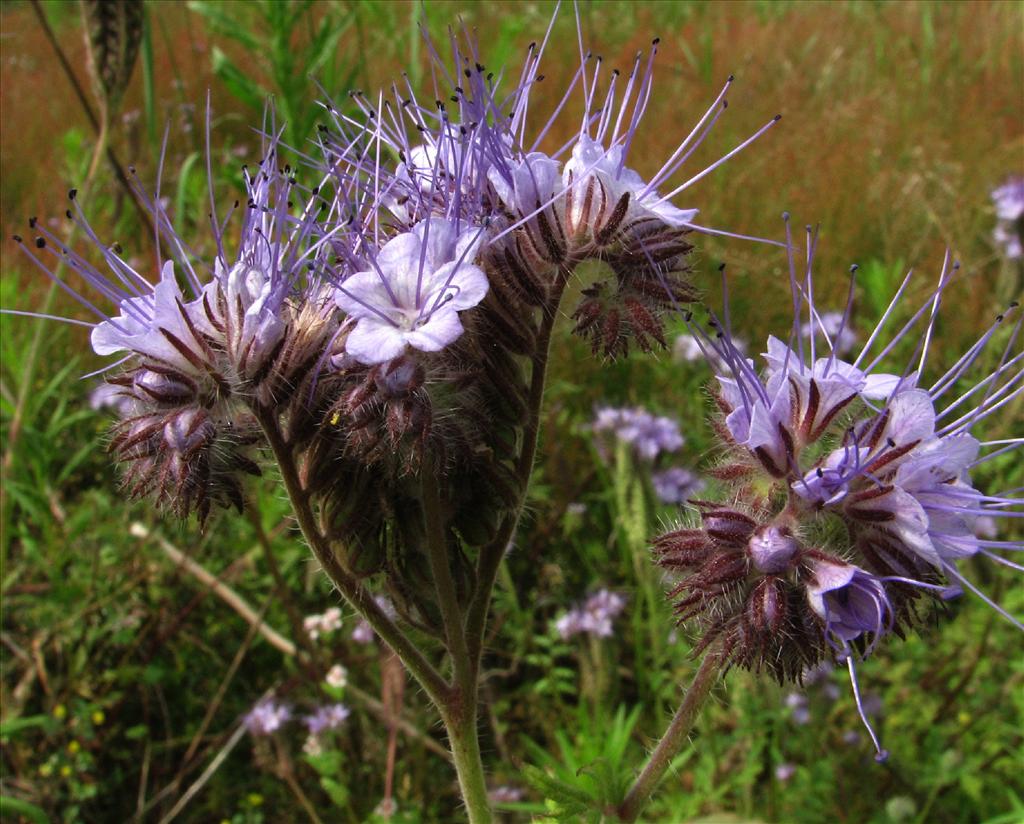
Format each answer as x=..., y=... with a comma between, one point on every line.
x=647, y=435
x=593, y=617
x=850, y=494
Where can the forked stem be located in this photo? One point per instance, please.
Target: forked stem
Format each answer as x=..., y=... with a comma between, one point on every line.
x=673, y=740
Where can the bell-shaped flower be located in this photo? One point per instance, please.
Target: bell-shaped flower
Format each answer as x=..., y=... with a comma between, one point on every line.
x=849, y=600
x=412, y=296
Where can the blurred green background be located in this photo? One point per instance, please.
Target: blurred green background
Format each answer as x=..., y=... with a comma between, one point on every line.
x=126, y=672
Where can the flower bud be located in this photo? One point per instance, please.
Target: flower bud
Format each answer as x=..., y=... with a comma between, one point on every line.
x=772, y=549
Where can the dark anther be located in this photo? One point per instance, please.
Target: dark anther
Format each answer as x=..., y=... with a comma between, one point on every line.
x=819, y=473
x=31, y=223
x=891, y=443
x=731, y=78
x=236, y=204
x=777, y=118
x=17, y=238
x=117, y=248
x=480, y=68
x=69, y=215
x=467, y=72
x=655, y=41
x=540, y=77
x=72, y=194
x=40, y=243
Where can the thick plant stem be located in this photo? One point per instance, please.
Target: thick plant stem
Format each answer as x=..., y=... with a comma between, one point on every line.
x=460, y=723
x=355, y=593
x=673, y=740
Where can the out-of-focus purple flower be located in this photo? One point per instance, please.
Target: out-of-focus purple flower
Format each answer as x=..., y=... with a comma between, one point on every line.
x=675, y=485
x=267, y=716
x=593, y=617
x=647, y=434
x=784, y=772
x=327, y=717
x=363, y=633
x=686, y=349
x=834, y=326
x=505, y=795
x=798, y=706
x=1009, y=231
x=1009, y=199
x=414, y=291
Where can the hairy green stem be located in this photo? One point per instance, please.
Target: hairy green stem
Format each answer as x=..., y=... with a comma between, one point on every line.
x=353, y=591
x=673, y=740
x=460, y=723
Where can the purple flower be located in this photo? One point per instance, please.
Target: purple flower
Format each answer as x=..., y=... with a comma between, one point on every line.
x=834, y=327
x=327, y=717
x=597, y=181
x=675, y=485
x=412, y=295
x=267, y=716
x=772, y=549
x=784, y=772
x=647, y=434
x=1009, y=231
x=1009, y=199
x=505, y=795
x=851, y=601
x=592, y=617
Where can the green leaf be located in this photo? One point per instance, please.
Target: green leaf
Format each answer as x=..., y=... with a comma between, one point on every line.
x=15, y=806
x=239, y=84
x=16, y=725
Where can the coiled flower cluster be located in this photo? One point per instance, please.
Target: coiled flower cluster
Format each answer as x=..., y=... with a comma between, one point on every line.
x=847, y=494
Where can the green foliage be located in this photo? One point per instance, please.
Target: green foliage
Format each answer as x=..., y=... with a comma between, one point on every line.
x=295, y=42
x=590, y=771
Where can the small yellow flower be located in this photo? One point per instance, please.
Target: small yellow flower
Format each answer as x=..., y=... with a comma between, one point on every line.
x=74, y=747
x=60, y=712
x=65, y=771
x=98, y=717
x=46, y=770
x=254, y=799
x=964, y=718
